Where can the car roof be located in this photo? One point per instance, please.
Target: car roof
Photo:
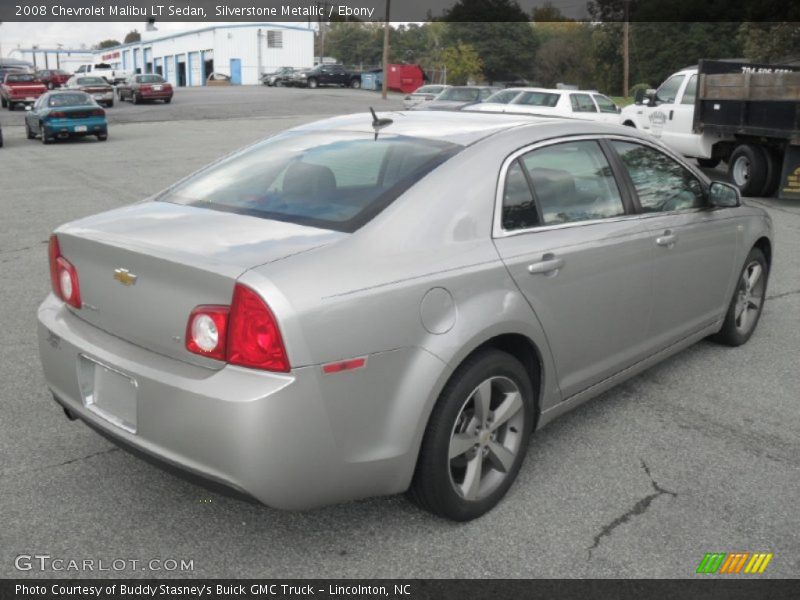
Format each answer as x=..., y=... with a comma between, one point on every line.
x=463, y=128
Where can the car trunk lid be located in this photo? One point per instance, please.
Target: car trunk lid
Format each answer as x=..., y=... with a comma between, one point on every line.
x=143, y=268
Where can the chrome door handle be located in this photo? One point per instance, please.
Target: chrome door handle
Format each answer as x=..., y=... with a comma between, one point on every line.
x=667, y=239
x=548, y=265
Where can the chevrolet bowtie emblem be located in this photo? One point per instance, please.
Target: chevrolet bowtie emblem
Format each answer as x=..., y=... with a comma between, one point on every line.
x=124, y=276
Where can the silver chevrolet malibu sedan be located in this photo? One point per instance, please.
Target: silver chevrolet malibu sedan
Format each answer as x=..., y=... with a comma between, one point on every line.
x=366, y=306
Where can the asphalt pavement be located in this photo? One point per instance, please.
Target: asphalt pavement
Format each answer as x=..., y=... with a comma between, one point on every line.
x=700, y=453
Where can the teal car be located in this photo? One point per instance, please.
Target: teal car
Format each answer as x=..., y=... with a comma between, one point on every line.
x=65, y=114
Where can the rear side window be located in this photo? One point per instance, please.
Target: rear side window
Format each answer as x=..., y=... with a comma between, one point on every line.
x=571, y=182
x=690, y=92
x=662, y=184
x=537, y=99
x=334, y=181
x=519, y=209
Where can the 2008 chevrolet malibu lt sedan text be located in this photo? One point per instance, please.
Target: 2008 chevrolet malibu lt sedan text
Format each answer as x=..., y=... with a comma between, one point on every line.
x=364, y=306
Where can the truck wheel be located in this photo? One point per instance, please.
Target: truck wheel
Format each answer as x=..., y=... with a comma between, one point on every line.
x=708, y=163
x=355, y=84
x=312, y=84
x=748, y=169
x=774, y=159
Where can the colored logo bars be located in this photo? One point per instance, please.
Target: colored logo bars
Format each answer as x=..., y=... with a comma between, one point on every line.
x=732, y=563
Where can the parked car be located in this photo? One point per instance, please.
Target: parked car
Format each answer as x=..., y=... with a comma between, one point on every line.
x=144, y=88
x=97, y=87
x=423, y=94
x=326, y=75
x=20, y=88
x=104, y=70
x=458, y=97
x=218, y=79
x=63, y=114
x=299, y=320
x=578, y=104
x=278, y=77
x=53, y=78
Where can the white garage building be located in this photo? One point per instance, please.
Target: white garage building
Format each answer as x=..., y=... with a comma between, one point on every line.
x=241, y=51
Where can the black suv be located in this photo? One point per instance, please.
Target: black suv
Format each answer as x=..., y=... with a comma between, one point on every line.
x=327, y=75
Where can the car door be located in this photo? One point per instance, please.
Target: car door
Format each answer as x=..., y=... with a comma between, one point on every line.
x=583, y=107
x=695, y=245
x=607, y=110
x=568, y=236
x=657, y=111
x=677, y=132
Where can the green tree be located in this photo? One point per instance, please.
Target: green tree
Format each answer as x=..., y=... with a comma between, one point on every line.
x=565, y=55
x=770, y=42
x=462, y=63
x=132, y=36
x=107, y=44
x=355, y=43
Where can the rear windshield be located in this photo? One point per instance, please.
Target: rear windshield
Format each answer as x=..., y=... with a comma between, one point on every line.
x=503, y=96
x=150, y=79
x=23, y=78
x=333, y=181
x=75, y=99
x=537, y=99
x=91, y=81
x=460, y=94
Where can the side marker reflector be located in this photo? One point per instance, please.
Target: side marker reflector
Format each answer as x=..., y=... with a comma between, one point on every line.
x=344, y=365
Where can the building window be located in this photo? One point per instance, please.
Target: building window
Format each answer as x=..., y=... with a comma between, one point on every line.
x=274, y=39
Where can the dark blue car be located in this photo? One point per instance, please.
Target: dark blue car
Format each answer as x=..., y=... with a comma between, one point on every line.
x=65, y=114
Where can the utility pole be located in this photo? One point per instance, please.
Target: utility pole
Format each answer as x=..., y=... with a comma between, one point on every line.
x=386, y=29
x=625, y=64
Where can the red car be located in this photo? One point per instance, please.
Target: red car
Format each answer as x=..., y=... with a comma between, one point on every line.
x=20, y=88
x=53, y=78
x=139, y=88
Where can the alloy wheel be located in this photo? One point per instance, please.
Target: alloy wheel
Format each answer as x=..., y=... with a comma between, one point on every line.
x=486, y=438
x=749, y=296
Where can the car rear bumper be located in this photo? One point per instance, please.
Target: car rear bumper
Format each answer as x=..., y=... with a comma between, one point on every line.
x=154, y=95
x=69, y=127
x=292, y=441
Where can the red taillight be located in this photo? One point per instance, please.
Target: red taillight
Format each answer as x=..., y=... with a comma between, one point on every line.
x=244, y=334
x=254, y=339
x=206, y=331
x=63, y=276
x=145, y=88
x=98, y=112
x=57, y=114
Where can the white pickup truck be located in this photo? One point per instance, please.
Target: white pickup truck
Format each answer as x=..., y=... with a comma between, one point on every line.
x=104, y=70
x=747, y=115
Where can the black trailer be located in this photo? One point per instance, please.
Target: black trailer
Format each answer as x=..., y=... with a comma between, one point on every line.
x=754, y=110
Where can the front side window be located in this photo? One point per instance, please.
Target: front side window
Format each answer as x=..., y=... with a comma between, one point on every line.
x=669, y=89
x=662, y=184
x=571, y=181
x=605, y=104
x=537, y=99
x=582, y=103
x=503, y=97
x=334, y=181
x=460, y=95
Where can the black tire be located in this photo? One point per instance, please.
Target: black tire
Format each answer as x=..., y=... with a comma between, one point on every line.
x=29, y=132
x=355, y=84
x=312, y=84
x=167, y=100
x=102, y=137
x=110, y=104
x=708, y=163
x=774, y=160
x=134, y=98
x=747, y=169
x=46, y=140
x=732, y=334
x=3, y=102
x=1, y=138
x=434, y=485
x=10, y=105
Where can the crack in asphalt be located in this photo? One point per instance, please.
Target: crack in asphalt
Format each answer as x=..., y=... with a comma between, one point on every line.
x=783, y=295
x=62, y=464
x=637, y=509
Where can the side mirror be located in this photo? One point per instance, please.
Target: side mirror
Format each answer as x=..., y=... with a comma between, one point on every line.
x=639, y=97
x=724, y=195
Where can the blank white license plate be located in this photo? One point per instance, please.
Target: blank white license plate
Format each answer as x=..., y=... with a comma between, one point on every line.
x=157, y=88
x=80, y=128
x=108, y=393
x=99, y=96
